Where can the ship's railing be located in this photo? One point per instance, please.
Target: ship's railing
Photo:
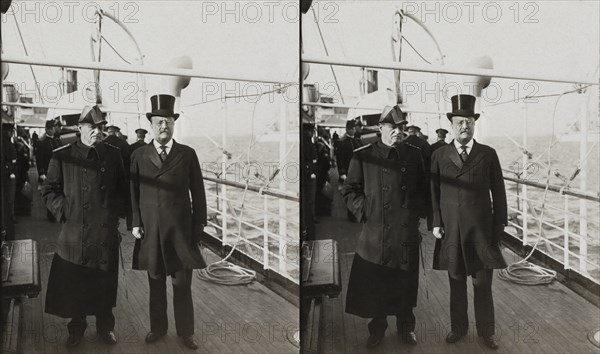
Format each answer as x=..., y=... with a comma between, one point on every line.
x=568, y=230
x=270, y=238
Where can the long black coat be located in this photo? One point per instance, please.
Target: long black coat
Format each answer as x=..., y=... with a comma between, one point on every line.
x=160, y=201
x=86, y=194
x=462, y=205
x=386, y=189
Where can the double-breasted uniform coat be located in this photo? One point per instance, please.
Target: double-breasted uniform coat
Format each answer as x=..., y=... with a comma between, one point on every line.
x=160, y=202
x=386, y=190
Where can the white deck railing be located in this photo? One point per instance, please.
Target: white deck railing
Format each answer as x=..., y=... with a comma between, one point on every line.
x=561, y=236
x=259, y=238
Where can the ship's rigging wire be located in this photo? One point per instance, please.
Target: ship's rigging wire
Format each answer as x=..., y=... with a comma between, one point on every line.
x=114, y=50
x=515, y=100
x=222, y=271
x=416, y=51
x=524, y=272
x=37, y=84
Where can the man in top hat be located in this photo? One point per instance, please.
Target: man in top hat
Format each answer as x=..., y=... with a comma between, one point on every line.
x=46, y=145
x=387, y=191
x=441, y=139
x=113, y=139
x=85, y=189
x=141, y=135
x=468, y=223
x=345, y=151
x=166, y=223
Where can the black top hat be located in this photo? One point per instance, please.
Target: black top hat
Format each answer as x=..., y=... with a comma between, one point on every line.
x=162, y=105
x=441, y=131
x=141, y=131
x=92, y=115
x=464, y=106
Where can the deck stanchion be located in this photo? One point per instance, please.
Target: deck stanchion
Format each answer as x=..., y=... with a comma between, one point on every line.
x=265, y=233
x=566, y=235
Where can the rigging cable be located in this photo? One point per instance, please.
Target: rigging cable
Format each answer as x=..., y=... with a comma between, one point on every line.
x=524, y=272
x=37, y=84
x=327, y=53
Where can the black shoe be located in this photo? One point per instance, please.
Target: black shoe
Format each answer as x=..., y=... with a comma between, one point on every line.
x=453, y=337
x=374, y=341
x=409, y=338
x=152, y=337
x=108, y=337
x=74, y=340
x=190, y=342
x=490, y=342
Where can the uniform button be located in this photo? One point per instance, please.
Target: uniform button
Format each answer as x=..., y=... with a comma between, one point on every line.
x=103, y=244
x=103, y=187
x=85, y=188
x=384, y=170
x=386, y=206
x=85, y=206
x=102, y=169
x=102, y=261
x=403, y=169
x=403, y=188
x=84, y=170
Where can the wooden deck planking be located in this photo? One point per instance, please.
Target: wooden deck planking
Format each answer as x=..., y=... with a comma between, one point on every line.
x=560, y=317
x=253, y=306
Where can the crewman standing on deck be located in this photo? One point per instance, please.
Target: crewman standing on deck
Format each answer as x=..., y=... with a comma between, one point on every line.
x=387, y=191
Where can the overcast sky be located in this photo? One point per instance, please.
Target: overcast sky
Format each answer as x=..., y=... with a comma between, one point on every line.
x=532, y=36
x=235, y=38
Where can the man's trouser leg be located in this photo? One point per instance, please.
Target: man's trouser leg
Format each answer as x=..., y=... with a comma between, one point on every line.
x=459, y=318
x=183, y=305
x=105, y=321
x=77, y=326
x=405, y=321
x=377, y=326
x=484, y=302
x=158, y=305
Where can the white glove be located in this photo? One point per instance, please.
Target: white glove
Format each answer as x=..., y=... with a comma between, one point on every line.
x=343, y=177
x=12, y=176
x=438, y=232
x=43, y=177
x=138, y=232
x=313, y=176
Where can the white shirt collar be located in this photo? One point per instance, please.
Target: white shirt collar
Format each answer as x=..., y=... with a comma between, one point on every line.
x=157, y=146
x=469, y=145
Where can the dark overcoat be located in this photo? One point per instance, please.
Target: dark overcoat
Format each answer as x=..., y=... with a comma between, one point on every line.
x=160, y=202
x=469, y=202
x=87, y=194
x=346, y=148
x=386, y=189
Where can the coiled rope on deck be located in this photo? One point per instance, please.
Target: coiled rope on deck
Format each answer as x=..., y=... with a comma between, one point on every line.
x=224, y=272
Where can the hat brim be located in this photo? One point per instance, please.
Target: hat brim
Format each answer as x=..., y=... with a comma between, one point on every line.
x=462, y=114
x=162, y=113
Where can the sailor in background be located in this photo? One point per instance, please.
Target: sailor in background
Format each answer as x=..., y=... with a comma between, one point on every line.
x=46, y=145
x=441, y=139
x=114, y=138
x=309, y=181
x=345, y=151
x=141, y=136
x=467, y=223
x=414, y=138
x=86, y=190
x=166, y=223
x=387, y=191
